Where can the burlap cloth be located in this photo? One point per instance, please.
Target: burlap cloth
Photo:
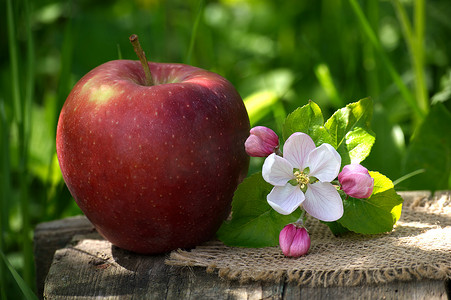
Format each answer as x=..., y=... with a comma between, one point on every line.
x=418, y=248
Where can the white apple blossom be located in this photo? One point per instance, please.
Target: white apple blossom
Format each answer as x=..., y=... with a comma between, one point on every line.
x=303, y=176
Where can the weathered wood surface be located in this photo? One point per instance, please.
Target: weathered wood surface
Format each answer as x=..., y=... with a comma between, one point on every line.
x=51, y=236
x=85, y=266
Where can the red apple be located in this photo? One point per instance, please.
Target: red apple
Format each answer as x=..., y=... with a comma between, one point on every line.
x=153, y=167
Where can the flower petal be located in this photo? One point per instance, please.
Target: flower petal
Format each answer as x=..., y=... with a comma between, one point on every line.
x=285, y=199
x=296, y=149
x=301, y=243
x=324, y=163
x=277, y=170
x=323, y=202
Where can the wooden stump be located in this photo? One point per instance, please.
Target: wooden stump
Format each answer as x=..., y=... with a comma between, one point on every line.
x=74, y=262
x=51, y=236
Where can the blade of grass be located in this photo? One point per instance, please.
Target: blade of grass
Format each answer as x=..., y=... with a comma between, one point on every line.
x=405, y=24
x=20, y=109
x=322, y=72
x=194, y=32
x=372, y=78
x=24, y=142
x=422, y=93
x=119, y=52
x=369, y=32
x=414, y=41
x=66, y=66
x=29, y=88
x=28, y=293
x=5, y=189
x=13, y=61
x=407, y=176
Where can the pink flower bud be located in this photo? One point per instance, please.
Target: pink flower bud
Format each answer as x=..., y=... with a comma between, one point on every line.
x=356, y=181
x=294, y=241
x=261, y=142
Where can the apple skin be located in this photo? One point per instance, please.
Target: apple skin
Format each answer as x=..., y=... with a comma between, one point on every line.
x=154, y=168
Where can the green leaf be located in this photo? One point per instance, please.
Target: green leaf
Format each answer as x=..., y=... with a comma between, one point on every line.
x=308, y=119
x=350, y=131
x=430, y=149
x=254, y=223
x=376, y=214
x=358, y=143
x=336, y=228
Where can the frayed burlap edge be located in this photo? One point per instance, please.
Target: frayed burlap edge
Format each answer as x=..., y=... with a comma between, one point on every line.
x=418, y=248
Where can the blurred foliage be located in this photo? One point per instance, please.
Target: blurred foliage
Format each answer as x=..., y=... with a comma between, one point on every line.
x=278, y=54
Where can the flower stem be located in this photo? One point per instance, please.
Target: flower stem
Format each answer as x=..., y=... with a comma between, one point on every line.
x=301, y=219
x=142, y=57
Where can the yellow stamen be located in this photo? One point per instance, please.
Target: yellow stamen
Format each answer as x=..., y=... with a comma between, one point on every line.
x=301, y=178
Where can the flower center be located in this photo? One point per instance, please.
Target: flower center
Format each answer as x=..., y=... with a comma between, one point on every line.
x=302, y=179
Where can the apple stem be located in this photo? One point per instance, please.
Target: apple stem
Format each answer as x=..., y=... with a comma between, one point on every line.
x=142, y=57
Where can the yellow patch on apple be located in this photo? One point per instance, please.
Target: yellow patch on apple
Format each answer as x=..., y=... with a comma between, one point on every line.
x=100, y=94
